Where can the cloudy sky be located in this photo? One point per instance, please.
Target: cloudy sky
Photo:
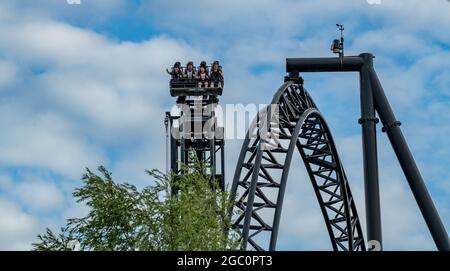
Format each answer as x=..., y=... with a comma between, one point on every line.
x=84, y=85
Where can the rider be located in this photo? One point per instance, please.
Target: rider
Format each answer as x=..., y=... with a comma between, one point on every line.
x=202, y=75
x=216, y=75
x=189, y=72
x=176, y=72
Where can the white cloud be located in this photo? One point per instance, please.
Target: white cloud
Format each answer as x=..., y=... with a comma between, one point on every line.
x=34, y=193
x=90, y=11
x=43, y=140
x=95, y=92
x=40, y=195
x=16, y=227
x=109, y=85
x=8, y=74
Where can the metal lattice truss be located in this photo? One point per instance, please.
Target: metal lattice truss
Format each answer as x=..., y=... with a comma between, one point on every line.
x=264, y=163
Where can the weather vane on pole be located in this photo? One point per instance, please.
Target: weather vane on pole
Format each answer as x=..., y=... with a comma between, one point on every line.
x=338, y=45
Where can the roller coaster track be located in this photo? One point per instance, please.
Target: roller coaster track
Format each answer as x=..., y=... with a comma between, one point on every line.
x=263, y=167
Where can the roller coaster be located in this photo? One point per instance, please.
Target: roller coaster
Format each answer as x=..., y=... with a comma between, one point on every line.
x=263, y=166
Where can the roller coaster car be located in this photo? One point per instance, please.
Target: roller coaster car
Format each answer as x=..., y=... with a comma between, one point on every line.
x=187, y=87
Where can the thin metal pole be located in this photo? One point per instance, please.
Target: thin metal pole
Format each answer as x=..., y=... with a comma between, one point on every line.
x=370, y=160
x=222, y=163
x=409, y=167
x=166, y=123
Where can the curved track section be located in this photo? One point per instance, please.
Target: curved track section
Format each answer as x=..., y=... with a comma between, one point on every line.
x=292, y=122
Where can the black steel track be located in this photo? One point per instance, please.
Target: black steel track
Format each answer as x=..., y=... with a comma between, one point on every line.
x=263, y=167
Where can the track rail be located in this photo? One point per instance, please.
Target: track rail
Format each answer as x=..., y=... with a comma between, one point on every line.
x=263, y=167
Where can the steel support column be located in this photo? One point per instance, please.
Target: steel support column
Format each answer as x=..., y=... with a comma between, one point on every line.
x=368, y=122
x=408, y=165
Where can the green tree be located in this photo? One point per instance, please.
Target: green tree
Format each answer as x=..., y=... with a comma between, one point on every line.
x=153, y=219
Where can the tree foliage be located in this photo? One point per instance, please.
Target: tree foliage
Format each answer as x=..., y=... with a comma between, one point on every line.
x=121, y=217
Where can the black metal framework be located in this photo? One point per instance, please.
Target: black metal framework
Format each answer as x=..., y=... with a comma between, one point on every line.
x=195, y=134
x=264, y=163
x=373, y=99
x=266, y=155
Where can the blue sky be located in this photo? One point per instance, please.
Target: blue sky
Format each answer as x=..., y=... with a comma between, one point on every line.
x=84, y=85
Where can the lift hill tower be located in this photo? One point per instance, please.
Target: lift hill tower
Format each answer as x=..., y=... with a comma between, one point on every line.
x=194, y=134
